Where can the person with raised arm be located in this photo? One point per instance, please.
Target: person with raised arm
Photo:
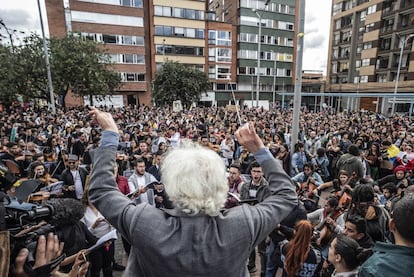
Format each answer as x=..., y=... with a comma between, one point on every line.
x=197, y=237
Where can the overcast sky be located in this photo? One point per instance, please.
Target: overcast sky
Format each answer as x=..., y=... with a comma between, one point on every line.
x=23, y=15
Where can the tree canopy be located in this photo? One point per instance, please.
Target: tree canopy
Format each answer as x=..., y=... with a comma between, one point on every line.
x=76, y=64
x=175, y=81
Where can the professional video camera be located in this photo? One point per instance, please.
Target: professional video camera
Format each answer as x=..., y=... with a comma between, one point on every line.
x=25, y=222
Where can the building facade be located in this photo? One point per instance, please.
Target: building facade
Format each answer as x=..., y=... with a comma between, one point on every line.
x=367, y=38
x=265, y=46
x=246, y=62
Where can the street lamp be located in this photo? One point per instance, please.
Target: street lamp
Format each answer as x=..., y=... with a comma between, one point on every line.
x=274, y=78
x=49, y=73
x=163, y=51
x=402, y=44
x=259, y=44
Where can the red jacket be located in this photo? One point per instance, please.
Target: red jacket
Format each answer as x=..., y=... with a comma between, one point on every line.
x=122, y=184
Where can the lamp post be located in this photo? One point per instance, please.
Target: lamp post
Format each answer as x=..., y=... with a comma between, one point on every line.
x=274, y=78
x=163, y=51
x=402, y=44
x=298, y=75
x=49, y=73
x=259, y=44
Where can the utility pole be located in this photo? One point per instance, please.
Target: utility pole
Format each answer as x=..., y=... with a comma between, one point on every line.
x=46, y=52
x=274, y=79
x=298, y=75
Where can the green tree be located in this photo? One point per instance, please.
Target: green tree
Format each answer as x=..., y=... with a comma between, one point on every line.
x=175, y=81
x=83, y=66
x=76, y=64
x=8, y=87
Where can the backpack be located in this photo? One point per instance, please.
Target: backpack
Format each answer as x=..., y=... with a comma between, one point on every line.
x=318, y=169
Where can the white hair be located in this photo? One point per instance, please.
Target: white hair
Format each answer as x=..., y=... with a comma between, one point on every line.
x=194, y=179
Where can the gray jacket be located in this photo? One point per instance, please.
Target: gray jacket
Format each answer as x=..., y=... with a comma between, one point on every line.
x=172, y=243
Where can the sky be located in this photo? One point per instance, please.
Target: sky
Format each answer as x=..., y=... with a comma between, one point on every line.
x=23, y=15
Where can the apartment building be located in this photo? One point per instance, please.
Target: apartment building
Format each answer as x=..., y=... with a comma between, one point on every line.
x=265, y=46
x=121, y=26
x=366, y=39
x=218, y=37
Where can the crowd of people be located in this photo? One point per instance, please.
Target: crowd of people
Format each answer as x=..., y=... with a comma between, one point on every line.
x=352, y=173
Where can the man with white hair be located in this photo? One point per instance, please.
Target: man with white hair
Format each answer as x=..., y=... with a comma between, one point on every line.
x=197, y=237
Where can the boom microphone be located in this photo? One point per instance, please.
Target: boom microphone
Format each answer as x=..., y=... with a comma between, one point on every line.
x=67, y=211
x=57, y=211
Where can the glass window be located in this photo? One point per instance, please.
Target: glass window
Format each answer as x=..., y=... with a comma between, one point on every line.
x=190, y=32
x=109, y=39
x=159, y=30
x=199, y=33
x=126, y=3
x=178, y=12
x=138, y=3
x=128, y=58
x=166, y=11
x=130, y=77
x=140, y=59
x=199, y=15
x=141, y=77
x=190, y=14
x=168, y=31
x=158, y=10
x=112, y=19
x=179, y=32
x=139, y=40
x=128, y=40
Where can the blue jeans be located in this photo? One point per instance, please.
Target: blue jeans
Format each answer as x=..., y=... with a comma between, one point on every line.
x=274, y=261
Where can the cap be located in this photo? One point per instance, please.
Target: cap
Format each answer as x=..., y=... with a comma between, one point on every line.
x=72, y=157
x=399, y=168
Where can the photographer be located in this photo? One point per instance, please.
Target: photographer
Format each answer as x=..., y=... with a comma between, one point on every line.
x=47, y=260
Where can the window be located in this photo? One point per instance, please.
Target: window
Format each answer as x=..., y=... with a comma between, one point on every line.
x=132, y=77
x=212, y=54
x=223, y=72
x=368, y=45
x=128, y=58
x=372, y=9
x=178, y=32
x=190, y=32
x=364, y=79
x=109, y=39
x=178, y=12
x=224, y=55
x=158, y=10
x=242, y=70
x=112, y=19
x=365, y=62
x=211, y=37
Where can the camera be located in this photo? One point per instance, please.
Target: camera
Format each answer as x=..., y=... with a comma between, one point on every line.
x=25, y=222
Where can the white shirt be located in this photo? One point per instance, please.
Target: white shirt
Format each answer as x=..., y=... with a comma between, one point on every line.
x=89, y=218
x=78, y=183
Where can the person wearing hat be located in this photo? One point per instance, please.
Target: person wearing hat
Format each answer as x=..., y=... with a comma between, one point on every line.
x=74, y=178
x=398, y=178
x=363, y=205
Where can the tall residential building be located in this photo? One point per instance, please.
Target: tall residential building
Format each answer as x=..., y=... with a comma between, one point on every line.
x=219, y=37
x=265, y=43
x=367, y=37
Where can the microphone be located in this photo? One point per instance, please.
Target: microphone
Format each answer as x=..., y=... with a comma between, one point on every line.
x=56, y=211
x=67, y=211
